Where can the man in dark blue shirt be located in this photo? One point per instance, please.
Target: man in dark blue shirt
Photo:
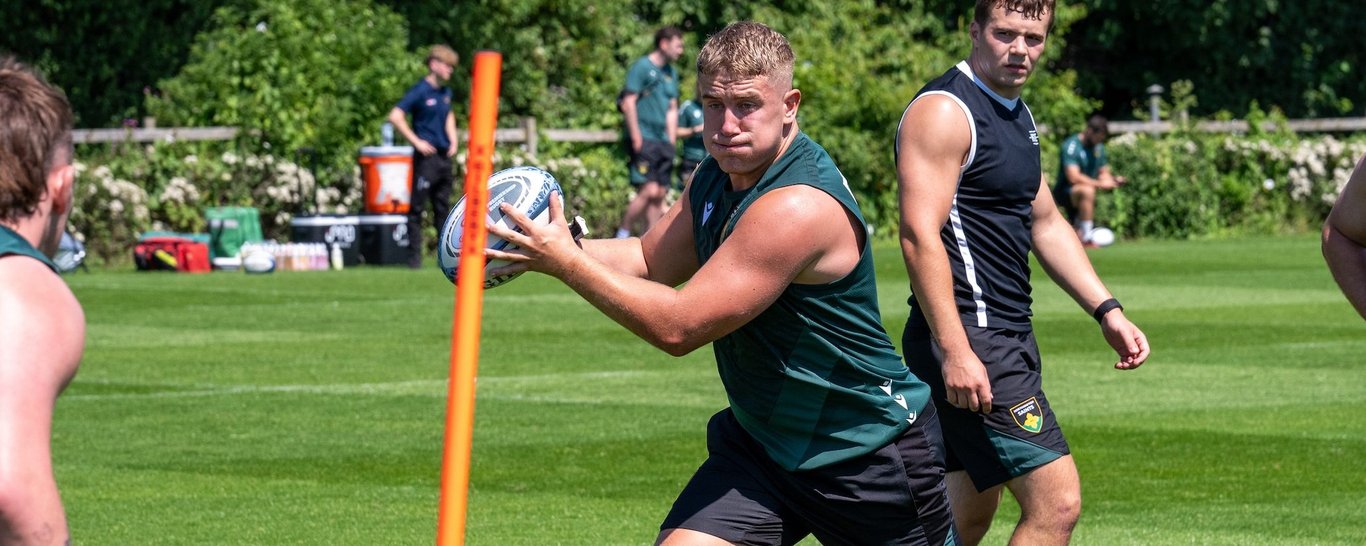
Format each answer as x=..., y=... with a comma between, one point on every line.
x=432, y=134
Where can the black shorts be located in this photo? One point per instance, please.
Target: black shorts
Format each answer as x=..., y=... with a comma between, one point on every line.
x=1062, y=195
x=895, y=495
x=1020, y=434
x=685, y=170
x=652, y=163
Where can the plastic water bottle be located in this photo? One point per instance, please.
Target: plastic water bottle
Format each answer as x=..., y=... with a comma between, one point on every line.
x=386, y=134
x=336, y=257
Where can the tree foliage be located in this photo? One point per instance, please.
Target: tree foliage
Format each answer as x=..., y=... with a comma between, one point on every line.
x=1304, y=57
x=104, y=53
x=296, y=74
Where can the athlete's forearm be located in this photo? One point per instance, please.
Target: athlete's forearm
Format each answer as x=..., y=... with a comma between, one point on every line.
x=931, y=277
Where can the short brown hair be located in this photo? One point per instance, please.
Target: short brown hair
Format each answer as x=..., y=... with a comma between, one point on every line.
x=1033, y=9
x=747, y=49
x=667, y=33
x=1098, y=123
x=35, y=134
x=443, y=53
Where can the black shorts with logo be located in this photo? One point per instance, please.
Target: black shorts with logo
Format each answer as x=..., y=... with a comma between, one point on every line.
x=1020, y=434
x=894, y=495
x=653, y=163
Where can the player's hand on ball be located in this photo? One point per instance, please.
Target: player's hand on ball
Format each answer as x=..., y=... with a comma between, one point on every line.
x=547, y=248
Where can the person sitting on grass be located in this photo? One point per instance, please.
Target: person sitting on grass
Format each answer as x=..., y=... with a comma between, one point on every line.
x=1084, y=171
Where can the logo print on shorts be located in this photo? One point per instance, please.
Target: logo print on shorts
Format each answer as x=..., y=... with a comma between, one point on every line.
x=1028, y=415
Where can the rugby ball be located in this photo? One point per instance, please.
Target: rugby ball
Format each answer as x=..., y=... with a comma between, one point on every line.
x=1102, y=236
x=258, y=261
x=527, y=189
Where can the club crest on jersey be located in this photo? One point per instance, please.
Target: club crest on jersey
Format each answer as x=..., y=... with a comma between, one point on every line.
x=1028, y=415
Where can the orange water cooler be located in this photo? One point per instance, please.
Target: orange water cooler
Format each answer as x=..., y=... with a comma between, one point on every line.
x=387, y=172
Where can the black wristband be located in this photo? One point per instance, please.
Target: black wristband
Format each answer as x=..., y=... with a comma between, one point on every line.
x=1105, y=307
x=578, y=228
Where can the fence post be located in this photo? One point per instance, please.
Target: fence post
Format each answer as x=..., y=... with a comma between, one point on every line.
x=529, y=134
x=1154, y=95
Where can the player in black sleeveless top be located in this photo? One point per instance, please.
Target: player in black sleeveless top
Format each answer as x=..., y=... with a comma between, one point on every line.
x=973, y=206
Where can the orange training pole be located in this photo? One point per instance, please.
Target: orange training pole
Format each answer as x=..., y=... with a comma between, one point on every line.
x=469, y=302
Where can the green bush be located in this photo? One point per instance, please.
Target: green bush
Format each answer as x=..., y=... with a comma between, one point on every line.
x=1187, y=184
x=860, y=63
x=125, y=190
x=318, y=74
x=593, y=179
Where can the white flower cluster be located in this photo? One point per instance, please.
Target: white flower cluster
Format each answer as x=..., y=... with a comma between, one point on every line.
x=289, y=183
x=1126, y=139
x=1315, y=168
x=333, y=201
x=124, y=199
x=179, y=190
x=569, y=167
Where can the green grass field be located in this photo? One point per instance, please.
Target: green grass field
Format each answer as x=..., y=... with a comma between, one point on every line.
x=308, y=408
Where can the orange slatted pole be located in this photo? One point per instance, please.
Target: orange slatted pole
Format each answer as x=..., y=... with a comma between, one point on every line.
x=469, y=302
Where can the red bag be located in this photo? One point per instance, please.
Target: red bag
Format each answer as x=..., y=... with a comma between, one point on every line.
x=171, y=254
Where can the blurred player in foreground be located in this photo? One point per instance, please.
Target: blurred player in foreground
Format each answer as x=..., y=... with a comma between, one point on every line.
x=827, y=432
x=42, y=327
x=1344, y=239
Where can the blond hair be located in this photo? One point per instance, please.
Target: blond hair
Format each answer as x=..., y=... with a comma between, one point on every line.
x=35, y=134
x=745, y=50
x=443, y=53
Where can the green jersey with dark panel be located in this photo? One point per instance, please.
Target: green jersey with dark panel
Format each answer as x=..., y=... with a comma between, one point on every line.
x=813, y=378
x=655, y=87
x=1089, y=159
x=690, y=115
x=11, y=243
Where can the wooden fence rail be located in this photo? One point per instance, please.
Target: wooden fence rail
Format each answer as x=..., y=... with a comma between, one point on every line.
x=527, y=133
x=152, y=134
x=1319, y=125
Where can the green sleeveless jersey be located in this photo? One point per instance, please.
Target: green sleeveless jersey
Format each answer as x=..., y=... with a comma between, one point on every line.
x=12, y=243
x=813, y=378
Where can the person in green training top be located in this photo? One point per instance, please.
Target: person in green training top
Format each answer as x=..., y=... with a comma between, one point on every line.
x=1344, y=239
x=42, y=327
x=690, y=133
x=649, y=106
x=1084, y=170
x=766, y=257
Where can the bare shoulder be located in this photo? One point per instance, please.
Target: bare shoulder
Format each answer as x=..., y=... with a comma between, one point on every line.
x=1349, y=213
x=42, y=326
x=936, y=125
x=935, y=111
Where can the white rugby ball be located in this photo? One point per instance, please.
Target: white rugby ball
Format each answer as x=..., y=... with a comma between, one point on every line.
x=1102, y=236
x=528, y=189
x=258, y=261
